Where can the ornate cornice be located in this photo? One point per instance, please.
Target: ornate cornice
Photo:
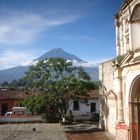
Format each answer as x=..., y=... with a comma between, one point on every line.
x=124, y=5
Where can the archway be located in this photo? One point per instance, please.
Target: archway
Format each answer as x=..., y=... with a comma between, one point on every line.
x=135, y=109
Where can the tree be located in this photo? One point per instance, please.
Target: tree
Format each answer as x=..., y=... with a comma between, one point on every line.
x=118, y=60
x=59, y=80
x=35, y=104
x=13, y=85
x=5, y=84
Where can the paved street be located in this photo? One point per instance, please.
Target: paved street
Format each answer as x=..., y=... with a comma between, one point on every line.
x=31, y=132
x=42, y=131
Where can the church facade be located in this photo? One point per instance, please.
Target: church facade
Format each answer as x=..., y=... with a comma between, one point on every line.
x=120, y=77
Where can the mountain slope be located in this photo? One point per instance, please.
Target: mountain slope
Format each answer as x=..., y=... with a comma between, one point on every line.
x=13, y=73
x=60, y=53
x=18, y=72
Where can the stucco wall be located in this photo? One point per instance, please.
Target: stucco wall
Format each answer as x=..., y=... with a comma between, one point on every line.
x=108, y=100
x=106, y=75
x=129, y=74
x=84, y=109
x=111, y=118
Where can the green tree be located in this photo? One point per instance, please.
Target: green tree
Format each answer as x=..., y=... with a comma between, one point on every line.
x=30, y=103
x=35, y=104
x=5, y=84
x=13, y=85
x=60, y=81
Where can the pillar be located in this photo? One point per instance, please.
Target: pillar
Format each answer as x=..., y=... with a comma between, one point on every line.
x=118, y=91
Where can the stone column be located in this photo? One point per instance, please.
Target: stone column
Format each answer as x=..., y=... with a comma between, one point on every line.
x=118, y=91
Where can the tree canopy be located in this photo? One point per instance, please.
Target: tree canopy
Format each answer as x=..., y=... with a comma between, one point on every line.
x=59, y=81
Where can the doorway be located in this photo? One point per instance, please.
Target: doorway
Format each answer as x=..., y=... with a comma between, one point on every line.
x=4, y=109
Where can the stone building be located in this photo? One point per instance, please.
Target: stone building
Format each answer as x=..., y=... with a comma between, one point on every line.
x=120, y=78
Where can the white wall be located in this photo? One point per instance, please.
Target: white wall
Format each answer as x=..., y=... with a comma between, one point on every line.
x=136, y=35
x=111, y=126
x=84, y=109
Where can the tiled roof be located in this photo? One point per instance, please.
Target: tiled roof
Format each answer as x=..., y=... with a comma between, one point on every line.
x=12, y=94
x=93, y=94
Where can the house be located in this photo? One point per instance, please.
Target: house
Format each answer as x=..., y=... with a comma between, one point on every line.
x=10, y=98
x=85, y=107
x=120, y=81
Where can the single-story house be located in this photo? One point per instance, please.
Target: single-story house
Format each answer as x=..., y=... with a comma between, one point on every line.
x=10, y=98
x=84, y=108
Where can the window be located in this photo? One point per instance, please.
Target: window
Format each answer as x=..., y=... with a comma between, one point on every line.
x=75, y=105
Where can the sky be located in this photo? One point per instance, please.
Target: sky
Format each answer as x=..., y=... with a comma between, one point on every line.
x=29, y=28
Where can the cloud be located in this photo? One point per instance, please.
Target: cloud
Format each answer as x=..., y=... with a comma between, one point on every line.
x=22, y=28
x=83, y=64
x=90, y=63
x=9, y=58
x=101, y=60
x=29, y=63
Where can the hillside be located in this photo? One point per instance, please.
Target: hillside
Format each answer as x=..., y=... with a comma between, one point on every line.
x=18, y=72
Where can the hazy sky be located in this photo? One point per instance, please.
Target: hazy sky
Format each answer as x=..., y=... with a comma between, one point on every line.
x=29, y=28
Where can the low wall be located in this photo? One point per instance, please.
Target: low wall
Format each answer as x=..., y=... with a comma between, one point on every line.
x=85, y=118
x=19, y=119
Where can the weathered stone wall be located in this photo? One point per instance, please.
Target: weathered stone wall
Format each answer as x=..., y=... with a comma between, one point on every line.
x=127, y=31
x=117, y=109
x=107, y=99
x=106, y=73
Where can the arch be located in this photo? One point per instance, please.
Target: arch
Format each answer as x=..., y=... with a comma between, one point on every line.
x=135, y=14
x=135, y=109
x=135, y=26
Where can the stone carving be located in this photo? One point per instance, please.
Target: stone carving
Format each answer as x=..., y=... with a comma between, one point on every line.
x=126, y=26
x=127, y=38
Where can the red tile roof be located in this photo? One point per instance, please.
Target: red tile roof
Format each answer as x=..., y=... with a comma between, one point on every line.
x=12, y=94
x=93, y=94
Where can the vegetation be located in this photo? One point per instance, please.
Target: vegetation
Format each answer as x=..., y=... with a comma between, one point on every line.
x=35, y=104
x=55, y=81
x=117, y=62
x=58, y=81
x=14, y=84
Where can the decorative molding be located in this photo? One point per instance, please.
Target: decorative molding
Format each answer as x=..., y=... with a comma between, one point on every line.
x=110, y=92
x=127, y=58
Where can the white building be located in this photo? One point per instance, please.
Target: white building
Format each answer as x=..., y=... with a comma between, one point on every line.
x=84, y=108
